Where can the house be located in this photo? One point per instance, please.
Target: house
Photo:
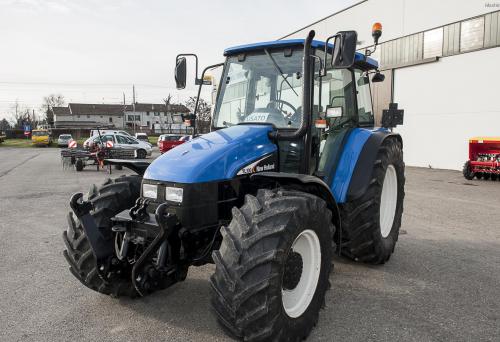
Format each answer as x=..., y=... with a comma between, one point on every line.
x=159, y=118
x=87, y=115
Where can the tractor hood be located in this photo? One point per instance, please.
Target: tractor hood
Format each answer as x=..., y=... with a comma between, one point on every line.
x=214, y=156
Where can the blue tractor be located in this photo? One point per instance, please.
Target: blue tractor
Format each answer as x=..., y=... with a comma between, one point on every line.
x=292, y=169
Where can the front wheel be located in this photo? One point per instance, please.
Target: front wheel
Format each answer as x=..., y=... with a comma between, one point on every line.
x=141, y=154
x=273, y=266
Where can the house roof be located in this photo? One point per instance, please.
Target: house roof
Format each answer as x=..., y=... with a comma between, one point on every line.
x=95, y=109
x=60, y=110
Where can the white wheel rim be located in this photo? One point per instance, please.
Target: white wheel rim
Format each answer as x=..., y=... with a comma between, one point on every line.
x=388, y=201
x=297, y=300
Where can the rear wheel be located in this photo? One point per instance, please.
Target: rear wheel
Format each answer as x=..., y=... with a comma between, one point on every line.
x=479, y=175
x=469, y=174
x=273, y=266
x=370, y=224
x=108, y=200
x=486, y=175
x=79, y=165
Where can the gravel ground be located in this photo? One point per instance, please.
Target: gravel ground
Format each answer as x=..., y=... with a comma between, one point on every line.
x=442, y=283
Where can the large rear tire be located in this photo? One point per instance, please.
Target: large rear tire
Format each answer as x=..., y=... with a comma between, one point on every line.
x=273, y=266
x=111, y=198
x=370, y=224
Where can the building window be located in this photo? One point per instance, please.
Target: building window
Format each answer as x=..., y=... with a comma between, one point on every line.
x=78, y=116
x=88, y=116
x=492, y=29
x=472, y=34
x=451, y=39
x=130, y=117
x=433, y=43
x=147, y=113
x=147, y=123
x=101, y=116
x=137, y=118
x=110, y=119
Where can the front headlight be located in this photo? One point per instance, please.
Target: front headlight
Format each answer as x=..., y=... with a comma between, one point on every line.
x=150, y=191
x=173, y=194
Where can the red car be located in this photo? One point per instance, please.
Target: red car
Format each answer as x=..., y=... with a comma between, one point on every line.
x=167, y=142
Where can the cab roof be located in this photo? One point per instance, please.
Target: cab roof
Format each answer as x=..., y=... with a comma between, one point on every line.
x=360, y=60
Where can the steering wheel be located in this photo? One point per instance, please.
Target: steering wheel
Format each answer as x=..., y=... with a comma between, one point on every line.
x=336, y=97
x=285, y=114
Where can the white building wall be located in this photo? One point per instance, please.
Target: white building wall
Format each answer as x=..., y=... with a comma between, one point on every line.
x=398, y=17
x=117, y=120
x=446, y=103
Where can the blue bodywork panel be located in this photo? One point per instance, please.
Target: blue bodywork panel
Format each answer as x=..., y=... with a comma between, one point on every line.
x=214, y=156
x=347, y=162
x=368, y=63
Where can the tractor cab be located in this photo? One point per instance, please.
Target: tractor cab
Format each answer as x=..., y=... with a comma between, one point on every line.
x=264, y=84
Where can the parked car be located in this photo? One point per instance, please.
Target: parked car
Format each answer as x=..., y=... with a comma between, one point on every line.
x=41, y=137
x=142, y=137
x=142, y=148
x=63, y=140
x=94, y=132
x=167, y=142
x=186, y=138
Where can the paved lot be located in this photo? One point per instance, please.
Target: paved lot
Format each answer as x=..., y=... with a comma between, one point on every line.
x=442, y=284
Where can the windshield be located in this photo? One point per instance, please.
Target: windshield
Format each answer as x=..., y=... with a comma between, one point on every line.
x=264, y=87
x=40, y=133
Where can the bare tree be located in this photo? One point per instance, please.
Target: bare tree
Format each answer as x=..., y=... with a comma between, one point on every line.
x=203, y=114
x=53, y=100
x=4, y=125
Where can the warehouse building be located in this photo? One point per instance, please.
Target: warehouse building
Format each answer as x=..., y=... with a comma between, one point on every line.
x=441, y=61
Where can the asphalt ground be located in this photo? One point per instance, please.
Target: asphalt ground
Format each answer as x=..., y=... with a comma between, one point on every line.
x=442, y=283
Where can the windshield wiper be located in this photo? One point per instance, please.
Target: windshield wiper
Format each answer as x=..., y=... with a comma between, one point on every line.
x=276, y=66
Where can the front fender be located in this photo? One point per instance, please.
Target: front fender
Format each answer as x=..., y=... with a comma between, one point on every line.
x=306, y=183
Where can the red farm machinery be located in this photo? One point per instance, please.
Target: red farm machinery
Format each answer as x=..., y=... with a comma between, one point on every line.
x=484, y=158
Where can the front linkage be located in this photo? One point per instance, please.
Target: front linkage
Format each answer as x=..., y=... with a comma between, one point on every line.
x=150, y=271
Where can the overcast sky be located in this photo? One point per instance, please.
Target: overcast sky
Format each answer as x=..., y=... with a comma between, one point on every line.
x=94, y=50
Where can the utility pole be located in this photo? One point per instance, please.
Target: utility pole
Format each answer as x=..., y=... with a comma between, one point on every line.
x=124, y=107
x=133, y=104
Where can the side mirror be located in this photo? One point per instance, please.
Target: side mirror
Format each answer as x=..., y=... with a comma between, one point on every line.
x=378, y=77
x=344, y=49
x=180, y=73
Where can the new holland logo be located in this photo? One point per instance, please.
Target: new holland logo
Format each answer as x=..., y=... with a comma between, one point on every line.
x=265, y=164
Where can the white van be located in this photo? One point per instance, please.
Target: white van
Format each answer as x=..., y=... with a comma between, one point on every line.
x=94, y=132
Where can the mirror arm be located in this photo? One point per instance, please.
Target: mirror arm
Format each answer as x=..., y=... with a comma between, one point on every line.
x=200, y=84
x=326, y=48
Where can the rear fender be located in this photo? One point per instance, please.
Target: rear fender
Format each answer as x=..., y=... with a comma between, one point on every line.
x=362, y=173
x=306, y=183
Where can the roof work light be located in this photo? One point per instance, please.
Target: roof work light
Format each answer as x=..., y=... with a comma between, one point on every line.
x=376, y=32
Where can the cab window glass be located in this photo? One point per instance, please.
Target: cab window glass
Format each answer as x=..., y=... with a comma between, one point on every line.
x=365, y=111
